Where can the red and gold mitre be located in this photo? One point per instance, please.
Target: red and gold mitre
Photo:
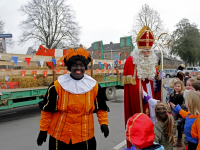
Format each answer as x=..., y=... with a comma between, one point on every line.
x=145, y=38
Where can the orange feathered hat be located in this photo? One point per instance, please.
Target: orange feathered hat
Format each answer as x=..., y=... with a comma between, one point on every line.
x=140, y=131
x=145, y=38
x=71, y=52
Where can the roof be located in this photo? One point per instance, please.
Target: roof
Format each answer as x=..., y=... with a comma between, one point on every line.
x=30, y=51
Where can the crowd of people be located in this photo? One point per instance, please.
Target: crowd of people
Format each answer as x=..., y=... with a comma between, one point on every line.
x=68, y=106
x=179, y=115
x=176, y=116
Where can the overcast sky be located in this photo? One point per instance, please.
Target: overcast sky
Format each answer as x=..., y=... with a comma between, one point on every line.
x=105, y=20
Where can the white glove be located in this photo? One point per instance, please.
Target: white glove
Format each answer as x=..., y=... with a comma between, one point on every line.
x=161, y=75
x=153, y=102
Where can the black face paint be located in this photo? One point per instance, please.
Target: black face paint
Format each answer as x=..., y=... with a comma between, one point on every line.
x=78, y=69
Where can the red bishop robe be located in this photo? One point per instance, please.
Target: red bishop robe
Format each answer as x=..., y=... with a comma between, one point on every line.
x=133, y=102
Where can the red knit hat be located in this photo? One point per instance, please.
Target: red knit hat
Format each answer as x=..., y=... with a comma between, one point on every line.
x=140, y=131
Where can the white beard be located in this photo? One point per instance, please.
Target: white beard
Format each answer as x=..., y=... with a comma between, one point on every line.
x=145, y=65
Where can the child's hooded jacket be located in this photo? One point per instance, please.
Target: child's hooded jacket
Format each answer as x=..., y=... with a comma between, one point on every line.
x=140, y=132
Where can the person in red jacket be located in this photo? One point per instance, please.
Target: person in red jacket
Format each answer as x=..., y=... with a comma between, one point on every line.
x=138, y=76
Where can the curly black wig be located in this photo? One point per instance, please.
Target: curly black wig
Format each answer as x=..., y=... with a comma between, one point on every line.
x=180, y=67
x=73, y=60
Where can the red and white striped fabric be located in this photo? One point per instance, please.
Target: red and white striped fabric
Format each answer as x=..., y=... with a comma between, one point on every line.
x=51, y=52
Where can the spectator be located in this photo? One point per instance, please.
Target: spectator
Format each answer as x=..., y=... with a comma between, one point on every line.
x=163, y=129
x=188, y=86
x=140, y=132
x=186, y=77
x=192, y=126
x=176, y=97
x=169, y=88
x=196, y=86
x=180, y=73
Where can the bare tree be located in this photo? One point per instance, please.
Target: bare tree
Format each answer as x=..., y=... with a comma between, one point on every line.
x=1, y=26
x=147, y=17
x=9, y=41
x=50, y=23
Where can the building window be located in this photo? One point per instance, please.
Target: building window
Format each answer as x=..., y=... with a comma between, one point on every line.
x=105, y=56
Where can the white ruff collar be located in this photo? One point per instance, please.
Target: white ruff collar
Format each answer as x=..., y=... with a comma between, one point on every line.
x=76, y=86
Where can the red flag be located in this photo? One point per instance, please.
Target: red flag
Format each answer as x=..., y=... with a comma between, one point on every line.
x=34, y=73
x=120, y=62
x=105, y=65
x=27, y=60
x=63, y=64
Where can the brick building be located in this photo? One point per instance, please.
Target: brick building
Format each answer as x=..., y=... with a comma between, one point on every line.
x=112, y=51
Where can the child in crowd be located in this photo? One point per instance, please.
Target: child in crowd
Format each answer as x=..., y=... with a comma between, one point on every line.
x=195, y=86
x=198, y=77
x=169, y=88
x=196, y=73
x=192, y=126
x=176, y=97
x=163, y=129
x=186, y=77
x=188, y=86
x=140, y=132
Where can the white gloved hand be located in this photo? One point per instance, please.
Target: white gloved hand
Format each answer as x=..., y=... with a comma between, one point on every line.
x=161, y=75
x=153, y=102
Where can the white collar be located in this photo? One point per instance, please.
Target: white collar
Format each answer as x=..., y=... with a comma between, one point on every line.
x=81, y=86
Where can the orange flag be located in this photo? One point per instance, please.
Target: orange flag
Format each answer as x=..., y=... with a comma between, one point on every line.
x=88, y=72
x=108, y=71
x=65, y=72
x=45, y=74
x=103, y=71
x=34, y=73
x=23, y=74
x=97, y=70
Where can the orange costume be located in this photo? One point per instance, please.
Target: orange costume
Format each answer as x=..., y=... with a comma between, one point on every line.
x=192, y=126
x=73, y=116
x=68, y=107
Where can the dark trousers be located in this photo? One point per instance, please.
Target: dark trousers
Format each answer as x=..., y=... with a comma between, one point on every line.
x=192, y=146
x=78, y=146
x=179, y=128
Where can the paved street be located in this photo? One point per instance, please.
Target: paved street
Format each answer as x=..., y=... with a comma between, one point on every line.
x=19, y=127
